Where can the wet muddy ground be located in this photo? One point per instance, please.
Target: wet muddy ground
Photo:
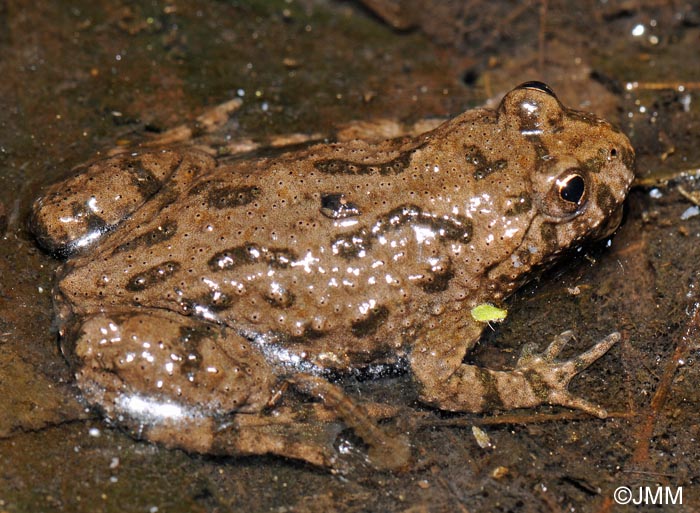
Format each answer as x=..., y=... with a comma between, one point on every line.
x=77, y=78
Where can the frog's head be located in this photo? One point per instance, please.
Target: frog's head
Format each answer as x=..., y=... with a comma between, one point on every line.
x=580, y=175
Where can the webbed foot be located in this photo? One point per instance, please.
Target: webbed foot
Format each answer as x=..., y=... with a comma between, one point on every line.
x=550, y=378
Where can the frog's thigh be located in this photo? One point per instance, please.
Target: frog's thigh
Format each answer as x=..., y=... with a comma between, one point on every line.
x=167, y=374
x=197, y=386
x=75, y=212
x=446, y=382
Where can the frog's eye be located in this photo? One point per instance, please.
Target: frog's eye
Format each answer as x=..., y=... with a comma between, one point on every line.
x=537, y=85
x=531, y=108
x=572, y=188
x=568, y=193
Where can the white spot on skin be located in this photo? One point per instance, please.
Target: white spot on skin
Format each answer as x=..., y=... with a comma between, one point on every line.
x=92, y=204
x=530, y=108
x=345, y=223
x=367, y=306
x=224, y=262
x=423, y=233
x=205, y=313
x=510, y=232
x=211, y=283
x=149, y=408
x=254, y=252
x=87, y=239
x=306, y=262
x=516, y=261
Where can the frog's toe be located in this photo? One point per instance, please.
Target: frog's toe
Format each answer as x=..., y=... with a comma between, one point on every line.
x=549, y=378
x=564, y=398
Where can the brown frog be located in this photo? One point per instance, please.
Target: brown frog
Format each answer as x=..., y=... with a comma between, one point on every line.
x=203, y=298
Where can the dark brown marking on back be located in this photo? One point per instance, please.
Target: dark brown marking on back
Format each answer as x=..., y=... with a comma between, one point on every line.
x=482, y=166
x=160, y=234
x=354, y=244
x=156, y=274
x=141, y=178
x=167, y=196
x=521, y=205
x=280, y=298
x=287, y=340
x=336, y=206
x=348, y=167
x=370, y=324
x=438, y=281
x=453, y=228
x=214, y=300
x=231, y=197
x=191, y=335
x=279, y=258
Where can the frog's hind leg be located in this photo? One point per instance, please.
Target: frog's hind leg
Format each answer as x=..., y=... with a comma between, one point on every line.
x=201, y=387
x=385, y=451
x=76, y=213
x=155, y=368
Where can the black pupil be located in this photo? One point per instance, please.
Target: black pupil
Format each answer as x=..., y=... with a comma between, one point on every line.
x=573, y=189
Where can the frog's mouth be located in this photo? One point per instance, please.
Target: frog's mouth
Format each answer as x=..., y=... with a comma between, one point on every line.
x=611, y=224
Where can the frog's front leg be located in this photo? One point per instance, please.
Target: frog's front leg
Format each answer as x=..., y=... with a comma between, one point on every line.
x=76, y=213
x=446, y=382
x=201, y=387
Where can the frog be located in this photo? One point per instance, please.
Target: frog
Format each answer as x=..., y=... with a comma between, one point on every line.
x=211, y=303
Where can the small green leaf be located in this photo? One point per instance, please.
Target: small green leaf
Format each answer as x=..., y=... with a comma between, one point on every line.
x=488, y=313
